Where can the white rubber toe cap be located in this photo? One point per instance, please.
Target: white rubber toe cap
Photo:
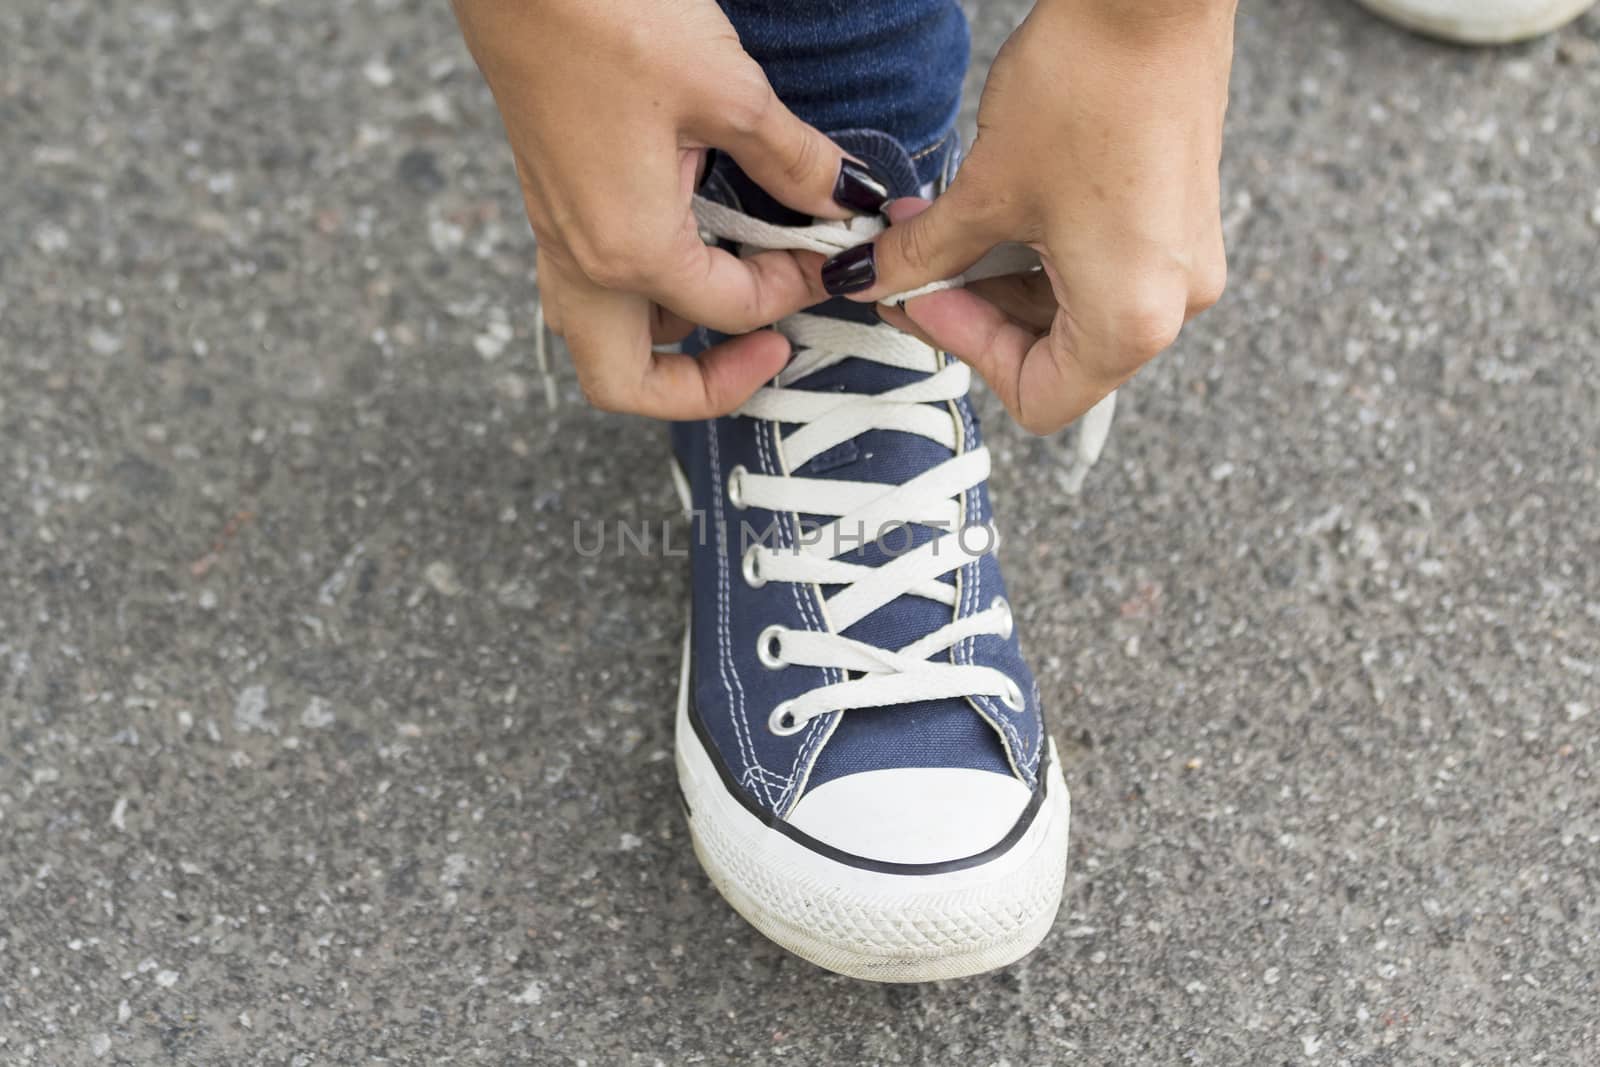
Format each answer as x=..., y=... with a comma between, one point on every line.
x=913, y=814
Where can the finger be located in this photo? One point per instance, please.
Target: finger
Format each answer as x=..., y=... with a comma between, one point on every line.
x=1027, y=298
x=608, y=334
x=792, y=160
x=895, y=316
x=713, y=287
x=1036, y=376
x=1028, y=302
x=1117, y=316
x=717, y=381
x=975, y=332
x=667, y=328
x=905, y=209
x=940, y=242
x=1208, y=275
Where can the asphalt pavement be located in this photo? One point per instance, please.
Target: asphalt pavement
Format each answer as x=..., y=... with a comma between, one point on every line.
x=321, y=744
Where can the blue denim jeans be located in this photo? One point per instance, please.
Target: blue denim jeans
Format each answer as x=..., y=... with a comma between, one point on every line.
x=890, y=65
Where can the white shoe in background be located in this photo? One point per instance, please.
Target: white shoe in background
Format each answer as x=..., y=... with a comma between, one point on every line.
x=1480, y=21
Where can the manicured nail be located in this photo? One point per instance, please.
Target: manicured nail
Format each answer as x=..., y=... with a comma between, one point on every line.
x=859, y=189
x=850, y=271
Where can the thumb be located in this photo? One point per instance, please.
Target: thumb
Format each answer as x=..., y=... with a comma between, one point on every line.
x=939, y=242
x=794, y=161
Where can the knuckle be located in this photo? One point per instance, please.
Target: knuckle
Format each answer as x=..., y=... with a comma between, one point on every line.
x=609, y=257
x=602, y=396
x=803, y=160
x=1040, y=423
x=544, y=232
x=992, y=208
x=731, y=321
x=739, y=319
x=748, y=102
x=915, y=247
x=1208, y=285
x=631, y=43
x=1039, y=412
x=744, y=312
x=692, y=291
x=764, y=296
x=1148, y=324
x=550, y=308
x=590, y=261
x=600, y=386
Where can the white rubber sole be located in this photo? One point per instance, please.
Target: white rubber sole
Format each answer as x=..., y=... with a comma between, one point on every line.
x=868, y=924
x=1480, y=21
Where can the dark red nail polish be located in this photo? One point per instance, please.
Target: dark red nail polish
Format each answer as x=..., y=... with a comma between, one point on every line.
x=851, y=271
x=859, y=189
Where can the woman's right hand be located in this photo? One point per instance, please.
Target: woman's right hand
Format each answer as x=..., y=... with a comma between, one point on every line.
x=610, y=106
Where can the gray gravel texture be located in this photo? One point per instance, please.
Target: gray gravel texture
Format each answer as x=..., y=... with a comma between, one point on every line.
x=319, y=744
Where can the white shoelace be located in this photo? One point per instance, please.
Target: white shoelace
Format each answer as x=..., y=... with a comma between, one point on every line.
x=720, y=221
x=828, y=238
x=867, y=512
x=873, y=512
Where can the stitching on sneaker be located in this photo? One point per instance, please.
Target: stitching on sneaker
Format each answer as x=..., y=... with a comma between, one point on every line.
x=1022, y=760
x=730, y=676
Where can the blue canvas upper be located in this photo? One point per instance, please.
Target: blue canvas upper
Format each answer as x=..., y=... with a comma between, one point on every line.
x=732, y=692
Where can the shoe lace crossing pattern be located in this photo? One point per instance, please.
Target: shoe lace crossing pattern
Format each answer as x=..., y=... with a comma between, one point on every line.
x=863, y=512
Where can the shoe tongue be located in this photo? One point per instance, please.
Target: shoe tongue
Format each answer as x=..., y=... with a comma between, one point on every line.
x=882, y=153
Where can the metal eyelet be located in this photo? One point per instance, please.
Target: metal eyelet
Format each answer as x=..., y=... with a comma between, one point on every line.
x=783, y=722
x=769, y=648
x=736, y=486
x=750, y=570
x=1009, y=624
x=1013, y=697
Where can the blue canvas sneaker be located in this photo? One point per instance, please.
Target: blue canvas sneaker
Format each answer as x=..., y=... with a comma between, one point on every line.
x=859, y=742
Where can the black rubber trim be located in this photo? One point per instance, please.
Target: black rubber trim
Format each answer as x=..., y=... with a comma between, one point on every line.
x=821, y=848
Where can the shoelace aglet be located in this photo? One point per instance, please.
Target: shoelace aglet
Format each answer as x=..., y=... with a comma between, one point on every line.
x=1093, y=429
x=1073, y=477
x=541, y=354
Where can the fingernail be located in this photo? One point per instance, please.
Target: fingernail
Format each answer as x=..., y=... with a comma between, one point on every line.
x=859, y=189
x=850, y=271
